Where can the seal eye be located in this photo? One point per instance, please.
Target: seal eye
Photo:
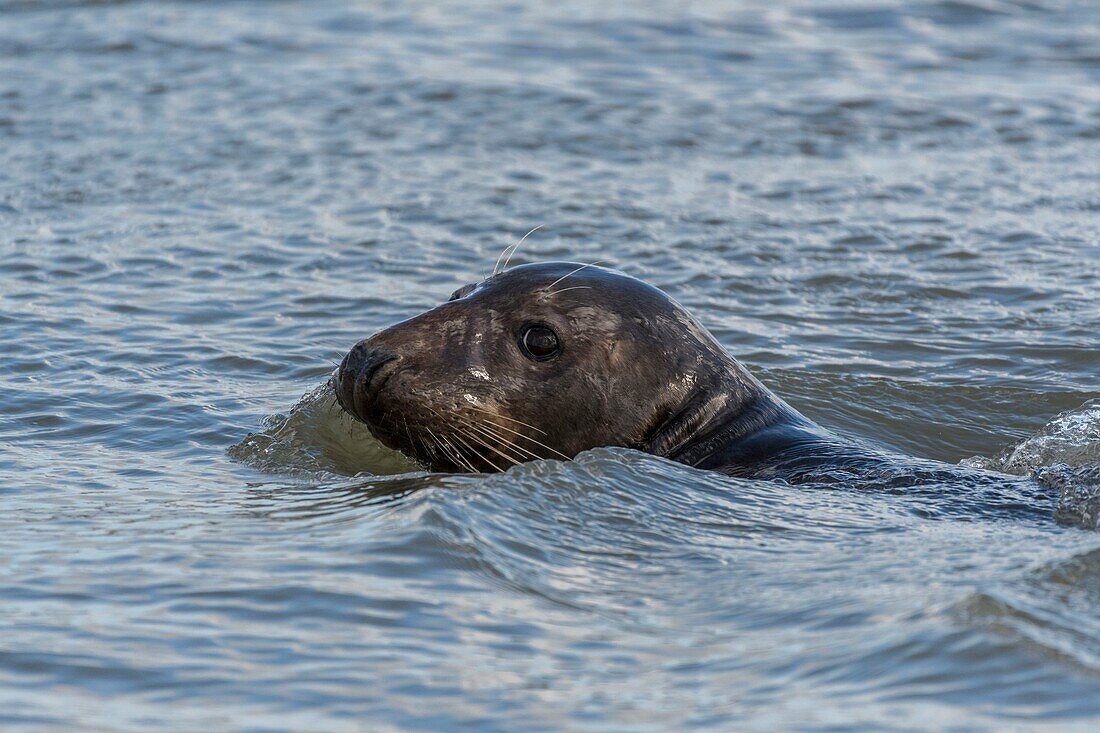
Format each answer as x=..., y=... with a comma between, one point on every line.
x=538, y=342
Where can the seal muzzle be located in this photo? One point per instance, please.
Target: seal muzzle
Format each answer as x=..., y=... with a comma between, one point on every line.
x=356, y=379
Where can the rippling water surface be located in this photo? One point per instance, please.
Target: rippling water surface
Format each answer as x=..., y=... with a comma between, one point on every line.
x=889, y=210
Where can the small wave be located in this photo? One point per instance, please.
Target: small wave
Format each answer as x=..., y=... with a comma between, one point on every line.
x=1064, y=456
x=1079, y=488
x=1052, y=610
x=317, y=437
x=598, y=531
x=317, y=440
x=1072, y=438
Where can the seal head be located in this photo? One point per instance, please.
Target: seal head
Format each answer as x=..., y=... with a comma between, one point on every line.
x=545, y=361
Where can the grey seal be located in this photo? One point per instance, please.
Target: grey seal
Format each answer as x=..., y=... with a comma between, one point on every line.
x=550, y=359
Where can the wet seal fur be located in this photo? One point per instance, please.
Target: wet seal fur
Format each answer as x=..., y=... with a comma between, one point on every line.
x=547, y=360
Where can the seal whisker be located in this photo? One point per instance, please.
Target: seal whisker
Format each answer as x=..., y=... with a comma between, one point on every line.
x=574, y=272
x=473, y=456
x=526, y=437
x=504, y=417
x=480, y=427
x=506, y=255
x=429, y=447
x=435, y=442
x=485, y=444
x=457, y=454
x=474, y=450
x=442, y=446
x=503, y=454
x=412, y=442
x=508, y=442
x=448, y=450
x=505, y=442
x=415, y=444
x=575, y=287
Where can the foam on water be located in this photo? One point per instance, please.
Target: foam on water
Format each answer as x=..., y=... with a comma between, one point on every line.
x=1063, y=456
x=1071, y=438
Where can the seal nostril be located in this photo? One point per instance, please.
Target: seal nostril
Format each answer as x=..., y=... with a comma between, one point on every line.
x=356, y=376
x=371, y=362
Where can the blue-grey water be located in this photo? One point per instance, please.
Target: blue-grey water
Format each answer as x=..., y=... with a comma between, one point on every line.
x=888, y=209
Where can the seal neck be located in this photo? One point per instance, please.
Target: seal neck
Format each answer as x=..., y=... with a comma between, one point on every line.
x=734, y=429
x=729, y=420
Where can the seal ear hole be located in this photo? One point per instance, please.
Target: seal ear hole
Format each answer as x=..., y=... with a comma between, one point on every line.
x=539, y=342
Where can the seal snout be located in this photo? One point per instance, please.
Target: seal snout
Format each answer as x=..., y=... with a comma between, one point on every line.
x=357, y=380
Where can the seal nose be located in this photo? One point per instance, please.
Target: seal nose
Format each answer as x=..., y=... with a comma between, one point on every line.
x=355, y=382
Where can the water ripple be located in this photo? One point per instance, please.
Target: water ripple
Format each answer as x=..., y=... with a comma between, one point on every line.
x=886, y=209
